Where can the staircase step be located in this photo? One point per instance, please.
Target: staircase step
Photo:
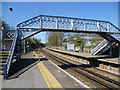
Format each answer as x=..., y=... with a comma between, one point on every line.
x=5, y=49
x=3, y=61
x=2, y=52
x=2, y=64
x=1, y=68
x=3, y=57
x=1, y=72
x=6, y=39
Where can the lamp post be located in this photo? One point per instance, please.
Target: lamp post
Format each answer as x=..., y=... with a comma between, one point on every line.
x=24, y=46
x=28, y=46
x=11, y=9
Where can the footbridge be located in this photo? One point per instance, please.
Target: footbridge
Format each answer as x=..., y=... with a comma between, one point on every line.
x=62, y=24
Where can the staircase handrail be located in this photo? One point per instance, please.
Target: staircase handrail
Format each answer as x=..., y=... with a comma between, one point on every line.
x=10, y=56
x=99, y=45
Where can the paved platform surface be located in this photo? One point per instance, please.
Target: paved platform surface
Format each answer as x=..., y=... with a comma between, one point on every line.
x=1, y=77
x=63, y=78
x=30, y=75
x=103, y=58
x=28, y=78
x=82, y=54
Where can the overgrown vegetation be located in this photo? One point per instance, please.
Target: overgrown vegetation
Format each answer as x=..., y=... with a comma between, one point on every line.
x=79, y=40
x=55, y=38
x=4, y=25
x=31, y=44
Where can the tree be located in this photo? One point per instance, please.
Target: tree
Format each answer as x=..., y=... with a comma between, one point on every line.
x=55, y=38
x=4, y=25
x=34, y=43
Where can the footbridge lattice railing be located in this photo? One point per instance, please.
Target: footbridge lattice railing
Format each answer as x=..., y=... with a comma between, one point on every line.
x=58, y=23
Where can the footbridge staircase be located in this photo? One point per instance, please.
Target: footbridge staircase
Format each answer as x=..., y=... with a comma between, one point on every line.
x=62, y=24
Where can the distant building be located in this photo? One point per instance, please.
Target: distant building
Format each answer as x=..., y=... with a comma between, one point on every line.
x=69, y=46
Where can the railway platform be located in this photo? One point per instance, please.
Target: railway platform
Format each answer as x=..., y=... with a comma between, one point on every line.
x=102, y=62
x=104, y=58
x=35, y=71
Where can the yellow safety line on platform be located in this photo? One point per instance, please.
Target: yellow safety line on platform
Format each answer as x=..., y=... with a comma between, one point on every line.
x=48, y=77
x=6, y=39
x=1, y=73
x=4, y=51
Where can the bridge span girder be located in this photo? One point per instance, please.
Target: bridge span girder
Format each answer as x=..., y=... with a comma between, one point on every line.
x=67, y=24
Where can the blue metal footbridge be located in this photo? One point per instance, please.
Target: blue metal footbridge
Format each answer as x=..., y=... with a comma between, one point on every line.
x=28, y=28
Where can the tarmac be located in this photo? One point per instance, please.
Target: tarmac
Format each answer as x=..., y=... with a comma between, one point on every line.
x=35, y=71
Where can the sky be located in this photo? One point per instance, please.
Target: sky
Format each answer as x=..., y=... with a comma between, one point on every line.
x=107, y=11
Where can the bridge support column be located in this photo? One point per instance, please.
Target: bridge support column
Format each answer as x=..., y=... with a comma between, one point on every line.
x=119, y=50
x=110, y=43
x=18, y=57
x=24, y=47
x=18, y=51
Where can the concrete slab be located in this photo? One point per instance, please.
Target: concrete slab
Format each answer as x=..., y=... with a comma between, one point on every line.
x=25, y=74
x=1, y=78
x=29, y=76
x=48, y=77
x=64, y=79
x=32, y=78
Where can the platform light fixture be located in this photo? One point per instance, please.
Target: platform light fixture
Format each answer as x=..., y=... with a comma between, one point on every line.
x=11, y=9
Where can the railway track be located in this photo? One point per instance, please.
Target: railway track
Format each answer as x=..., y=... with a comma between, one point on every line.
x=100, y=80
x=94, y=68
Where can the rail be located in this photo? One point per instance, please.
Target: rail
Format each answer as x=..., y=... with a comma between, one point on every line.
x=101, y=79
x=10, y=56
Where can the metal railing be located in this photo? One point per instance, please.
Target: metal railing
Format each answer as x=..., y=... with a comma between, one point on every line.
x=8, y=34
x=67, y=23
x=10, y=56
x=99, y=47
x=58, y=22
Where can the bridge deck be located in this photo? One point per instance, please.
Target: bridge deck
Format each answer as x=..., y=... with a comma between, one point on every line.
x=31, y=75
